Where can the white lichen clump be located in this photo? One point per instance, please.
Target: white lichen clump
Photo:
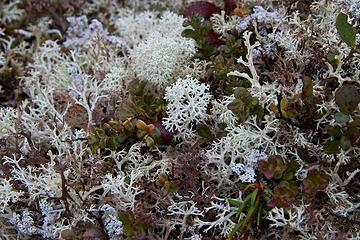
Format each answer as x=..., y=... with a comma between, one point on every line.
x=187, y=100
x=114, y=125
x=235, y=153
x=160, y=58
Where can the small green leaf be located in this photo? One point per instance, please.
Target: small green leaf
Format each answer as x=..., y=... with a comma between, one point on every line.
x=141, y=133
x=102, y=143
x=149, y=141
x=334, y=131
x=127, y=221
x=331, y=56
x=67, y=234
x=204, y=131
x=341, y=118
x=283, y=107
x=222, y=126
x=345, y=143
x=332, y=147
x=92, y=139
x=253, y=197
x=112, y=144
x=258, y=218
x=289, y=174
x=346, y=31
x=353, y=134
x=100, y=133
x=304, y=155
x=234, y=202
x=243, y=205
x=155, y=134
x=170, y=186
x=127, y=230
x=189, y=33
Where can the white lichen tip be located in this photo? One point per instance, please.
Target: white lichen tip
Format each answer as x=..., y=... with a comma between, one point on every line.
x=254, y=78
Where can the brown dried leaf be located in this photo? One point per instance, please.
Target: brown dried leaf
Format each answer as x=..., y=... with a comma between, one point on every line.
x=77, y=117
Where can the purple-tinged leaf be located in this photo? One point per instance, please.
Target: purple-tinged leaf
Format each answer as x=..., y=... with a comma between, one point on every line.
x=201, y=8
x=273, y=167
x=165, y=134
x=213, y=39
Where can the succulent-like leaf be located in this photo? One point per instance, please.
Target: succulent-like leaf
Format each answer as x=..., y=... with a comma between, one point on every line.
x=315, y=181
x=189, y=33
x=149, y=141
x=273, y=167
x=292, y=167
x=284, y=195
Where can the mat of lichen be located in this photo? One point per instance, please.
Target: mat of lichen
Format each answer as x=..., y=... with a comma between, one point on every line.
x=179, y=119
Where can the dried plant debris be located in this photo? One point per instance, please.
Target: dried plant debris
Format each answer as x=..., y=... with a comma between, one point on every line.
x=179, y=119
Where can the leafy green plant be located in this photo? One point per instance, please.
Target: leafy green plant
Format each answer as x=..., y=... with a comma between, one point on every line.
x=245, y=105
x=131, y=123
x=135, y=225
x=345, y=133
x=300, y=110
x=285, y=188
x=108, y=136
x=280, y=190
x=262, y=197
x=116, y=133
x=201, y=31
x=142, y=105
x=253, y=205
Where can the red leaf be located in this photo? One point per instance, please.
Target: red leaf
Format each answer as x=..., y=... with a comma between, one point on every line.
x=213, y=39
x=201, y=8
x=229, y=6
